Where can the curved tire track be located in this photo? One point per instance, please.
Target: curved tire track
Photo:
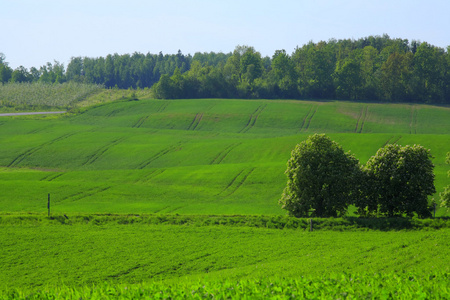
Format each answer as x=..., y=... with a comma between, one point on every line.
x=231, y=188
x=161, y=153
x=33, y=150
x=94, y=157
x=224, y=153
x=253, y=118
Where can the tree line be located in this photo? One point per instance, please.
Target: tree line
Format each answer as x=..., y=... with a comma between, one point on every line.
x=377, y=68
x=115, y=71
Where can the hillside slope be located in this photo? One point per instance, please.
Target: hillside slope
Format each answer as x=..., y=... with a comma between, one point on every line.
x=206, y=156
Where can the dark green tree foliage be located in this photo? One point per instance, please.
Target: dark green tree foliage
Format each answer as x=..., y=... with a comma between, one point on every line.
x=282, y=76
x=395, y=77
x=5, y=70
x=445, y=195
x=321, y=179
x=398, y=181
x=52, y=73
x=371, y=68
x=20, y=75
x=348, y=80
x=127, y=71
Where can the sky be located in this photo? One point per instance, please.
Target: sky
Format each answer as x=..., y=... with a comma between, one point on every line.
x=36, y=32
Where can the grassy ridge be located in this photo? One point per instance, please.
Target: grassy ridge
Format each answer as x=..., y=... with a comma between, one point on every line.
x=206, y=156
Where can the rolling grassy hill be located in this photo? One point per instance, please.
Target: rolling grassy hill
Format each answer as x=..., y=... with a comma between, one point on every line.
x=195, y=157
x=206, y=156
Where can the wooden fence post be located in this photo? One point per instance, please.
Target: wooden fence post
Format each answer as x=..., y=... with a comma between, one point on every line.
x=48, y=205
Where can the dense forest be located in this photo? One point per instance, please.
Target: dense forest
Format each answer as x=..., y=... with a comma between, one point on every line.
x=375, y=68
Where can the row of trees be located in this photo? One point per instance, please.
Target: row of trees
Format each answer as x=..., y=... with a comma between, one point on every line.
x=372, y=68
x=323, y=181
x=122, y=71
x=376, y=68
x=49, y=73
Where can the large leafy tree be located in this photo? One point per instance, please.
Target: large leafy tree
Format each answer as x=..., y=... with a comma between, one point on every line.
x=321, y=179
x=400, y=179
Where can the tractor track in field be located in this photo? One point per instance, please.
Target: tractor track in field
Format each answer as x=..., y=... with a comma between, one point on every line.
x=160, y=209
x=162, y=107
x=304, y=119
x=413, y=122
x=395, y=142
x=224, y=153
x=253, y=118
x=114, y=112
x=38, y=130
x=362, y=118
x=307, y=120
x=150, y=176
x=238, y=185
x=84, y=194
x=231, y=182
x=161, y=153
x=33, y=150
x=141, y=121
x=392, y=142
x=387, y=142
x=51, y=177
x=97, y=154
x=173, y=209
x=197, y=119
x=23, y=155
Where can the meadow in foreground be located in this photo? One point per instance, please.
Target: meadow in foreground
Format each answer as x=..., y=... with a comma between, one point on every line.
x=176, y=258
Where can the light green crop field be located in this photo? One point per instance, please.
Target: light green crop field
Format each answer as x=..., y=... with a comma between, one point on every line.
x=190, y=159
x=207, y=156
x=155, y=258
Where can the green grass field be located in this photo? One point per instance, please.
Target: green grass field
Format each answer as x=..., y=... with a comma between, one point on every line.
x=182, y=161
x=192, y=156
x=42, y=257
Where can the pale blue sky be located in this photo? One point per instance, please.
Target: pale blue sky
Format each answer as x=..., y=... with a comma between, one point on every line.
x=38, y=31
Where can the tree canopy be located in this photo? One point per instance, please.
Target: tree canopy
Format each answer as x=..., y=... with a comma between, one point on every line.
x=321, y=179
x=400, y=179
